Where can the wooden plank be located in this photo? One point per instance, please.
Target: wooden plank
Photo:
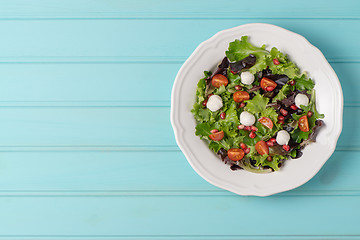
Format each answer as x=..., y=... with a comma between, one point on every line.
x=127, y=173
x=112, y=126
x=176, y=9
x=98, y=39
x=86, y=126
x=114, y=84
x=134, y=216
x=144, y=84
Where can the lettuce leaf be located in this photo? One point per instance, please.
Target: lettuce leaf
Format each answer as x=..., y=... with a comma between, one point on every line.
x=274, y=164
x=201, y=114
x=298, y=136
x=303, y=83
x=239, y=49
x=231, y=114
x=203, y=129
x=285, y=67
x=257, y=104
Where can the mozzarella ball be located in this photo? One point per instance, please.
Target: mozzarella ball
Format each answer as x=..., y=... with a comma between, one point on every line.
x=247, y=118
x=282, y=137
x=301, y=99
x=247, y=78
x=214, y=103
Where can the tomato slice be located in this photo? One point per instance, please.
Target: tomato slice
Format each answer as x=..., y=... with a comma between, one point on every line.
x=217, y=136
x=266, y=122
x=241, y=96
x=236, y=154
x=262, y=148
x=218, y=80
x=304, y=124
x=265, y=82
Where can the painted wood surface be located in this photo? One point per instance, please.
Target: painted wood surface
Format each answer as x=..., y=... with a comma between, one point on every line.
x=86, y=146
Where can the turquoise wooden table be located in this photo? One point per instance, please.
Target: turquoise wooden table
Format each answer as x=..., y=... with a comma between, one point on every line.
x=86, y=146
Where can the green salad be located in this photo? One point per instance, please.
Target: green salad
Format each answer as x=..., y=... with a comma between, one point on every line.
x=257, y=109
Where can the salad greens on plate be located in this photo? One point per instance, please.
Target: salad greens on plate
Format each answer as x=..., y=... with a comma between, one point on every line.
x=257, y=109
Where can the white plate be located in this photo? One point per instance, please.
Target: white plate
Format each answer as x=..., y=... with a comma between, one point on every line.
x=295, y=172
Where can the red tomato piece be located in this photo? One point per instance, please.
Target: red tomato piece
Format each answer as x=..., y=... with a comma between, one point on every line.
x=218, y=80
x=266, y=122
x=262, y=148
x=241, y=96
x=265, y=82
x=236, y=154
x=217, y=136
x=269, y=89
x=304, y=124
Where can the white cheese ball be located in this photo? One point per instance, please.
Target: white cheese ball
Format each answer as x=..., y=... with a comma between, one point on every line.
x=282, y=137
x=301, y=99
x=247, y=78
x=247, y=118
x=214, y=103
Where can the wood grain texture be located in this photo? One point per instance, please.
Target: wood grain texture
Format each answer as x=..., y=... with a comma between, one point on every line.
x=148, y=38
x=42, y=9
x=86, y=146
x=209, y=215
x=143, y=173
